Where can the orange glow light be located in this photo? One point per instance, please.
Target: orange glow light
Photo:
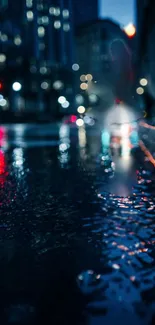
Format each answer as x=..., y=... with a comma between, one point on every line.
x=130, y=30
x=83, y=86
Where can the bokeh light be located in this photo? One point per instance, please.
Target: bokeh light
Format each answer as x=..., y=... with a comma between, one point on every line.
x=81, y=109
x=84, y=86
x=143, y=82
x=16, y=86
x=83, y=77
x=140, y=91
x=75, y=67
x=79, y=122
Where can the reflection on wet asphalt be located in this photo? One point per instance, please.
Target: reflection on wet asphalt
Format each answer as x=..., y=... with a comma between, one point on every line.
x=77, y=228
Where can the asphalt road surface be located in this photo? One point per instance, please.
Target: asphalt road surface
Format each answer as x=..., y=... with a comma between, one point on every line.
x=76, y=226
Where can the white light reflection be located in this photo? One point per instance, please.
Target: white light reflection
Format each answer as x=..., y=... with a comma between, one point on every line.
x=105, y=139
x=19, y=130
x=63, y=147
x=64, y=135
x=82, y=142
x=82, y=137
x=126, y=149
x=18, y=158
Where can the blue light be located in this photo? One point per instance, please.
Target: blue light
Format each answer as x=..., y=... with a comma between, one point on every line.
x=105, y=138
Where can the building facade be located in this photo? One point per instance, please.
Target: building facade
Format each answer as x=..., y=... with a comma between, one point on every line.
x=85, y=11
x=146, y=46
x=104, y=53
x=37, y=43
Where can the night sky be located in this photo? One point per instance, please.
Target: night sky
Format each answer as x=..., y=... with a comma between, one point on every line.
x=122, y=11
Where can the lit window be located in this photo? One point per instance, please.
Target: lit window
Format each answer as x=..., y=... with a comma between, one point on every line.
x=66, y=27
x=41, y=31
x=29, y=3
x=58, y=85
x=51, y=10
x=57, y=24
x=18, y=40
x=45, y=85
x=29, y=15
x=45, y=20
x=75, y=67
x=57, y=12
x=43, y=70
x=2, y=58
x=4, y=37
x=40, y=7
x=65, y=13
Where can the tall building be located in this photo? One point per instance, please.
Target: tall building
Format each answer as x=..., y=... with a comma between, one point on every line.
x=46, y=27
x=37, y=36
x=146, y=44
x=105, y=58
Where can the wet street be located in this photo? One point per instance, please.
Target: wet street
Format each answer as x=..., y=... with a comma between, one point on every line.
x=76, y=226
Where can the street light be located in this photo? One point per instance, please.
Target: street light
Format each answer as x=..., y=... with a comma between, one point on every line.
x=130, y=30
x=143, y=82
x=140, y=91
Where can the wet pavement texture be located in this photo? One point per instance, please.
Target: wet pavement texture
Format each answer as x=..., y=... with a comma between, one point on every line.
x=76, y=227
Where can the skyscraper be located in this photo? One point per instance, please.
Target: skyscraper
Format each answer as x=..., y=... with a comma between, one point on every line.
x=38, y=34
x=46, y=29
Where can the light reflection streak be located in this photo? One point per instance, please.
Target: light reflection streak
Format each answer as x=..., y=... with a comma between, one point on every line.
x=18, y=158
x=147, y=126
x=82, y=137
x=147, y=152
x=64, y=135
x=3, y=138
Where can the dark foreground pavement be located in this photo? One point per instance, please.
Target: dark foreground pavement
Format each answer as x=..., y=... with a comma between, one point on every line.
x=76, y=228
